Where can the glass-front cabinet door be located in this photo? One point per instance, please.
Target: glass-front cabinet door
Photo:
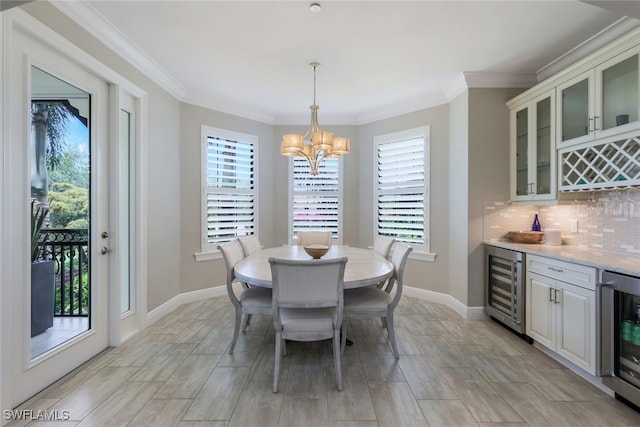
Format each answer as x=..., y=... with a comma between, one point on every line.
x=601, y=102
x=617, y=98
x=575, y=118
x=544, y=147
x=523, y=185
x=533, y=149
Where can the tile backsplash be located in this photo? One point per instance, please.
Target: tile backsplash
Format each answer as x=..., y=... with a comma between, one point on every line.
x=608, y=221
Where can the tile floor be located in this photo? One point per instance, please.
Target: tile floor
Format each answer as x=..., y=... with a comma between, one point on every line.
x=452, y=372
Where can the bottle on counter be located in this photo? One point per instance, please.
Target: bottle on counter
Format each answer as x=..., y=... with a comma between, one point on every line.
x=536, y=224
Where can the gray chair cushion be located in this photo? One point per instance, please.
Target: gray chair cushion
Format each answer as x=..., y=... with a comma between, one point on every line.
x=366, y=299
x=256, y=297
x=306, y=319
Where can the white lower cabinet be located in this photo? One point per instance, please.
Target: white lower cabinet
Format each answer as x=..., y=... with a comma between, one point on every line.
x=560, y=309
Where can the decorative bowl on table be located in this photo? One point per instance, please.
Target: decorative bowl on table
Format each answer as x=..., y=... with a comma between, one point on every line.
x=526, y=236
x=316, y=250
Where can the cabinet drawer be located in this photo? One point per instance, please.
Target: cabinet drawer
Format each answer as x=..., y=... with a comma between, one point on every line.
x=576, y=274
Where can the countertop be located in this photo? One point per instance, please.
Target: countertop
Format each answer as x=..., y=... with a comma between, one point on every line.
x=612, y=261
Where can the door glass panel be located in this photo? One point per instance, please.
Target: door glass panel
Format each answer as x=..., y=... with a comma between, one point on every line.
x=522, y=157
x=60, y=194
x=620, y=93
x=543, y=146
x=575, y=110
x=125, y=147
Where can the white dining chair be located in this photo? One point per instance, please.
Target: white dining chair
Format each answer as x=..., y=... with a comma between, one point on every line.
x=253, y=300
x=310, y=237
x=382, y=245
x=307, y=306
x=371, y=302
x=250, y=244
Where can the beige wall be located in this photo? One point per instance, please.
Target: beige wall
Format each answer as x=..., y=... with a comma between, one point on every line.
x=458, y=195
x=488, y=170
x=205, y=274
x=163, y=178
x=431, y=276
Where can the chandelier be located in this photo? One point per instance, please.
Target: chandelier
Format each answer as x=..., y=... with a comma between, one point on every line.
x=315, y=145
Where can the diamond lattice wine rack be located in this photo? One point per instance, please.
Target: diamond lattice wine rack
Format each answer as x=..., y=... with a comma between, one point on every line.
x=605, y=165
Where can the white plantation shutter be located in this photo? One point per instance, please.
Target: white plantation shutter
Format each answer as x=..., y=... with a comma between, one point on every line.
x=401, y=182
x=315, y=200
x=229, y=187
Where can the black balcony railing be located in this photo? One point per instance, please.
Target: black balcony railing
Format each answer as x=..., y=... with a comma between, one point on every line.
x=69, y=249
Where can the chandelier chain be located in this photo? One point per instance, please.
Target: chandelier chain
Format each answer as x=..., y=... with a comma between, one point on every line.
x=314, y=84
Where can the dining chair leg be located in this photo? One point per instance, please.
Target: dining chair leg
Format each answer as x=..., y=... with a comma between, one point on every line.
x=278, y=357
x=343, y=335
x=392, y=335
x=236, y=329
x=337, y=359
x=247, y=319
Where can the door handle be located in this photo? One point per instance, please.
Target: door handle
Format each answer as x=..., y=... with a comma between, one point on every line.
x=105, y=250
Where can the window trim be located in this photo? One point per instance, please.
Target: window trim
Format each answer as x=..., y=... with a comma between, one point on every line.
x=208, y=252
x=422, y=251
x=291, y=239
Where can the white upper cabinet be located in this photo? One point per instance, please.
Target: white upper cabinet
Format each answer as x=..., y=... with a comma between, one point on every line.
x=533, y=152
x=601, y=102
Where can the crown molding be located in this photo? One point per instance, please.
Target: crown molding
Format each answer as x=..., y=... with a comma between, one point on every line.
x=457, y=86
x=613, y=32
x=227, y=108
x=476, y=79
x=85, y=15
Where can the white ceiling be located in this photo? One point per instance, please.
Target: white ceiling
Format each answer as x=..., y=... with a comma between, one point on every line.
x=379, y=58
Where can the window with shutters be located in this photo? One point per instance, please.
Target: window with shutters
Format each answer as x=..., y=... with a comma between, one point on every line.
x=401, y=192
x=316, y=201
x=229, y=186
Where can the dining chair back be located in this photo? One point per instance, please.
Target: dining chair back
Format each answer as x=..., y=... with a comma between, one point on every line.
x=307, y=305
x=371, y=302
x=250, y=244
x=382, y=245
x=254, y=300
x=310, y=237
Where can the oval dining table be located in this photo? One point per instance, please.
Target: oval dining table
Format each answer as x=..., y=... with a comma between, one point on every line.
x=364, y=267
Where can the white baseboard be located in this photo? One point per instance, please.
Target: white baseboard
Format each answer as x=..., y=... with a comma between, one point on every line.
x=470, y=313
x=187, y=297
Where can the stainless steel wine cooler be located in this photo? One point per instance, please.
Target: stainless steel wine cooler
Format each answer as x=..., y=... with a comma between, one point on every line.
x=504, y=286
x=620, y=334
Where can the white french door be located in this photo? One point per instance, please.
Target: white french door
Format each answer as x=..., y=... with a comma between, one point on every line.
x=40, y=73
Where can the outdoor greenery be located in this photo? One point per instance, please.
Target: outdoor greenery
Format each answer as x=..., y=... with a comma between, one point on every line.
x=66, y=191
x=77, y=291
x=69, y=206
x=72, y=167
x=38, y=216
x=56, y=116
